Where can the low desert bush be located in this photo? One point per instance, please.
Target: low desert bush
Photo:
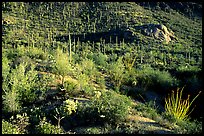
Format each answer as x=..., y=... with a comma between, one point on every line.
x=100, y=59
x=8, y=128
x=37, y=53
x=117, y=73
x=189, y=127
x=107, y=107
x=46, y=127
x=156, y=80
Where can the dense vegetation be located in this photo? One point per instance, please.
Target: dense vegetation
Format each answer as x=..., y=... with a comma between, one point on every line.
x=83, y=67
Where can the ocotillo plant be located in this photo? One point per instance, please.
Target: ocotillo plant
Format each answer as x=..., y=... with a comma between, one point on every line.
x=178, y=107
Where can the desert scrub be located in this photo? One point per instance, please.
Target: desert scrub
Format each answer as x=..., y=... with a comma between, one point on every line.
x=148, y=109
x=177, y=106
x=107, y=107
x=22, y=122
x=11, y=101
x=69, y=107
x=62, y=64
x=188, y=127
x=36, y=53
x=45, y=127
x=100, y=59
x=23, y=87
x=116, y=71
x=88, y=68
x=8, y=128
x=156, y=80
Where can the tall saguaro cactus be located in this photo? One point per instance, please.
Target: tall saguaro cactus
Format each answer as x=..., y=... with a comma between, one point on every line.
x=70, y=48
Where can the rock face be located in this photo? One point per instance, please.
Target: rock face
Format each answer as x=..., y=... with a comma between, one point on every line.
x=157, y=31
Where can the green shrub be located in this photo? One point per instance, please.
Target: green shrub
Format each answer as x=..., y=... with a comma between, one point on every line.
x=149, y=78
x=189, y=127
x=45, y=127
x=83, y=80
x=8, y=128
x=24, y=82
x=22, y=122
x=11, y=102
x=62, y=65
x=37, y=53
x=100, y=59
x=116, y=71
x=69, y=107
x=71, y=88
x=129, y=61
x=89, y=68
x=23, y=85
x=5, y=72
x=148, y=109
x=105, y=107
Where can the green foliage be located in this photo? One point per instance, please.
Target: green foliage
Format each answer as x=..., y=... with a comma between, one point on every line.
x=62, y=65
x=5, y=72
x=100, y=59
x=30, y=34
x=148, y=109
x=69, y=107
x=22, y=87
x=8, y=128
x=88, y=68
x=177, y=106
x=116, y=71
x=37, y=53
x=108, y=107
x=160, y=81
x=71, y=88
x=23, y=82
x=22, y=121
x=45, y=127
x=129, y=61
x=189, y=127
x=83, y=80
x=19, y=124
x=11, y=101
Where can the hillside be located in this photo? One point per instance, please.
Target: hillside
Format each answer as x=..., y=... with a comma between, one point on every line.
x=101, y=67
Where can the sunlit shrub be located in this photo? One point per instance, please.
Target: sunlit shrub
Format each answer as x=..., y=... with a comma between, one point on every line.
x=69, y=107
x=37, y=53
x=62, y=65
x=108, y=107
x=45, y=127
x=116, y=71
x=8, y=128
x=22, y=122
x=189, y=127
x=11, y=102
x=89, y=68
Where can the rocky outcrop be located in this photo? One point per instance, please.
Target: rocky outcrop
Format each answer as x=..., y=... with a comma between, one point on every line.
x=157, y=31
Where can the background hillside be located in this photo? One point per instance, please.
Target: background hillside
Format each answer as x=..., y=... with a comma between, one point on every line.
x=73, y=61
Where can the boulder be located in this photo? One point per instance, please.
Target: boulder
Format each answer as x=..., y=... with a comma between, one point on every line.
x=158, y=31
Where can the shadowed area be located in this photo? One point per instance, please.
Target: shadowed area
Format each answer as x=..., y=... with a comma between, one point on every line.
x=108, y=37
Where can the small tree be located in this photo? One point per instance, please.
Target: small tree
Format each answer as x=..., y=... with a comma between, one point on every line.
x=62, y=65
